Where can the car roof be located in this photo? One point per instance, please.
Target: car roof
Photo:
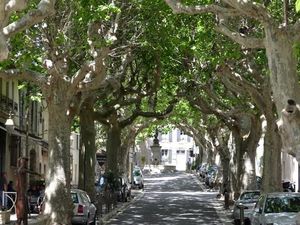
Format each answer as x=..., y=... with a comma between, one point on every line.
x=283, y=194
x=76, y=190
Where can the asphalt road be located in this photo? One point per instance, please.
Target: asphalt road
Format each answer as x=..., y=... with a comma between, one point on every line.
x=173, y=199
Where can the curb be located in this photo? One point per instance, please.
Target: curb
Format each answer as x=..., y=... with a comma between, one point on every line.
x=105, y=218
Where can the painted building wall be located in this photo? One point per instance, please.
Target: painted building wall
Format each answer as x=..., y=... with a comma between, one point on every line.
x=175, y=149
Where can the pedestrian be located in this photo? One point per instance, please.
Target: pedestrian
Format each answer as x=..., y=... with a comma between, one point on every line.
x=22, y=202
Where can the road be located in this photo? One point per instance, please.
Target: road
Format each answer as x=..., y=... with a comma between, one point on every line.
x=173, y=199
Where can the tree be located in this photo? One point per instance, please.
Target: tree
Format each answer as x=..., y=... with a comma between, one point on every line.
x=56, y=59
x=13, y=22
x=280, y=35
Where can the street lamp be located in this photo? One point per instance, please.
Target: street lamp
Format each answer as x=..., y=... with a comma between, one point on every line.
x=9, y=124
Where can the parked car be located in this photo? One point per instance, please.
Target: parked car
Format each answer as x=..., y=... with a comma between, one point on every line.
x=247, y=200
x=84, y=211
x=119, y=186
x=123, y=189
x=203, y=169
x=288, y=186
x=138, y=178
x=278, y=208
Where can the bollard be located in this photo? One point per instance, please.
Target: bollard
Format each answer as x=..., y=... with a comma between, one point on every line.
x=241, y=207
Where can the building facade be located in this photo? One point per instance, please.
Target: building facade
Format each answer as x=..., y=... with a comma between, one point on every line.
x=28, y=136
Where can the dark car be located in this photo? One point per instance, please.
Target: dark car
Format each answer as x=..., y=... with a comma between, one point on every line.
x=117, y=185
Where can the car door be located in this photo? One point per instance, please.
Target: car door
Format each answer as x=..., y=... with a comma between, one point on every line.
x=256, y=218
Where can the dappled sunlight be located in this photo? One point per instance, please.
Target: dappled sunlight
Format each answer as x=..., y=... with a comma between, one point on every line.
x=175, y=199
x=58, y=178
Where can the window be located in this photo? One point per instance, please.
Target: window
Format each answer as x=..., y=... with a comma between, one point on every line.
x=178, y=135
x=170, y=136
x=164, y=152
x=74, y=198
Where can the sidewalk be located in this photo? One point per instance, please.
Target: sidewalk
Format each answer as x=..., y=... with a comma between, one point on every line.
x=218, y=203
x=137, y=194
x=33, y=219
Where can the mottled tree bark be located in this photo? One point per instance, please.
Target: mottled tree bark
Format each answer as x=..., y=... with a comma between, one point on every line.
x=58, y=175
x=113, y=146
x=272, y=159
x=87, y=154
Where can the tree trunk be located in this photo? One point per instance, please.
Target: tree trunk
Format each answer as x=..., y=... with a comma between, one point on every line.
x=123, y=158
x=87, y=159
x=272, y=159
x=239, y=162
x=285, y=84
x=113, y=147
x=225, y=189
x=58, y=175
x=252, y=143
x=283, y=66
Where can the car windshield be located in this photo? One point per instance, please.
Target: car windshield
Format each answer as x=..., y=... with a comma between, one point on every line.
x=250, y=195
x=283, y=204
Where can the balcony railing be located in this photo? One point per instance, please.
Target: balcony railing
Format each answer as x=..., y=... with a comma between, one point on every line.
x=7, y=105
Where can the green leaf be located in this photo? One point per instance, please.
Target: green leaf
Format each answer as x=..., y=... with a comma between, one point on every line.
x=297, y=5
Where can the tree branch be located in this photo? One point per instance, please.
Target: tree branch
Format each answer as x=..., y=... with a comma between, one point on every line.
x=177, y=7
x=45, y=8
x=35, y=77
x=236, y=37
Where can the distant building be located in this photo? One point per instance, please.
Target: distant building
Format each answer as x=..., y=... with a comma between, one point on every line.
x=177, y=149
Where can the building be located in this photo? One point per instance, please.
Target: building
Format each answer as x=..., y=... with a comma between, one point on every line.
x=177, y=150
x=27, y=135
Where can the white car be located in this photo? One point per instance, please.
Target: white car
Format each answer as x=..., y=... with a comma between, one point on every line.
x=138, y=178
x=84, y=211
x=247, y=200
x=278, y=208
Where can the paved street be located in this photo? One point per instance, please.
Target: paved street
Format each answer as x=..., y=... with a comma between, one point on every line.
x=173, y=198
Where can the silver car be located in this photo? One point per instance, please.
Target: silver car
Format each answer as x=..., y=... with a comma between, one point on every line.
x=247, y=201
x=138, y=179
x=278, y=208
x=84, y=211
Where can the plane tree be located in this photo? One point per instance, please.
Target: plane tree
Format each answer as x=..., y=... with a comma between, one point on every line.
x=133, y=99
x=276, y=30
x=247, y=77
x=65, y=57
x=149, y=44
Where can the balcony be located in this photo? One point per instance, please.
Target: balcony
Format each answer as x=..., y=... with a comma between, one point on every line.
x=7, y=105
